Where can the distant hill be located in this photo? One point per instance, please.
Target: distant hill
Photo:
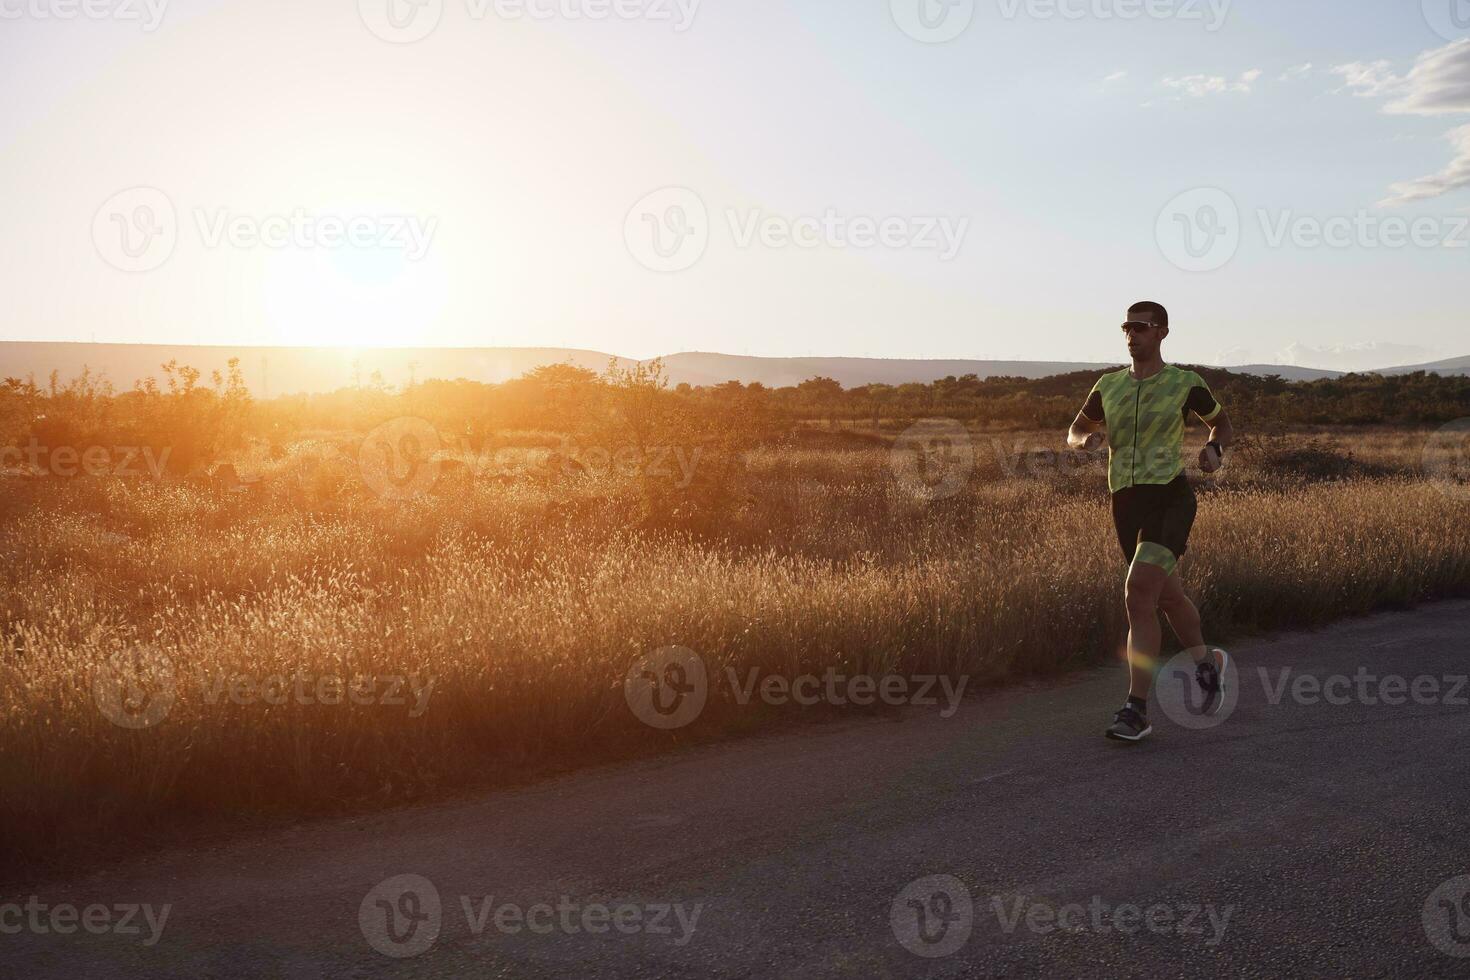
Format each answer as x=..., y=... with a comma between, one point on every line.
x=778, y=372
x=288, y=370
x=1288, y=371
x=271, y=371
x=1453, y=366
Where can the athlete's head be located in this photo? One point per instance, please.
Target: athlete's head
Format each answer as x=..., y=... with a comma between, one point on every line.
x=1147, y=326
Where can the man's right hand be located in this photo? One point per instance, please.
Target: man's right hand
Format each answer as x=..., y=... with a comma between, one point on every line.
x=1095, y=442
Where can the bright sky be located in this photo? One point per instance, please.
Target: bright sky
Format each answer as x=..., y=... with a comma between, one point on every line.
x=980, y=178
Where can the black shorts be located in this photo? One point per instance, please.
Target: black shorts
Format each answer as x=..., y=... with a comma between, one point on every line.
x=1161, y=514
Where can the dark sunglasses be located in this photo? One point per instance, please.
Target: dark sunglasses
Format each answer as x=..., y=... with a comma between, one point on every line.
x=1133, y=326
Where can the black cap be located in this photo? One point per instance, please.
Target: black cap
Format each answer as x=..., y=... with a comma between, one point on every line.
x=1149, y=312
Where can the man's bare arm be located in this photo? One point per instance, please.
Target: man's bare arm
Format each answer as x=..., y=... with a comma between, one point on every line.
x=1222, y=434
x=1221, y=430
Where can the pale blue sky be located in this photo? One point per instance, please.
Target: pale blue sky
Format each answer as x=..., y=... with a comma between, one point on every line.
x=518, y=146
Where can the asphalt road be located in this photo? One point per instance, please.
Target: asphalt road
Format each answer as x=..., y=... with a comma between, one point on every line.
x=1300, y=837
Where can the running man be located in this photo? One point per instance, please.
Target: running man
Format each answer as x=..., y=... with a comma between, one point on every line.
x=1144, y=410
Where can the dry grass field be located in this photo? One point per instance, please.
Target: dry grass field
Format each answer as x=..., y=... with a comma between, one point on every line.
x=179, y=651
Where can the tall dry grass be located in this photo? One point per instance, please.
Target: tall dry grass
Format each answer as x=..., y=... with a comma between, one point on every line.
x=525, y=599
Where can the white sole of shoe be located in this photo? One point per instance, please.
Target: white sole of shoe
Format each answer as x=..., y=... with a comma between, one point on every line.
x=1223, y=663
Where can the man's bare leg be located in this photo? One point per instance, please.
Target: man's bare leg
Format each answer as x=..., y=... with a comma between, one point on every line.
x=1142, y=594
x=1183, y=617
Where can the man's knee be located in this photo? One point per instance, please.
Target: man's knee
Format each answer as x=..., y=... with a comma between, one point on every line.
x=1140, y=603
x=1144, y=589
x=1173, y=600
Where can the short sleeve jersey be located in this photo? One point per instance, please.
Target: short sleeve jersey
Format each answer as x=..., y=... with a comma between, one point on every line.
x=1145, y=421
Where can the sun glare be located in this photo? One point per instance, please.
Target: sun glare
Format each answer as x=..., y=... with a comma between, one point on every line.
x=367, y=297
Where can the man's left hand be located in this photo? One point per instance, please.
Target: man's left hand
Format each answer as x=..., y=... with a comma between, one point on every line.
x=1210, y=458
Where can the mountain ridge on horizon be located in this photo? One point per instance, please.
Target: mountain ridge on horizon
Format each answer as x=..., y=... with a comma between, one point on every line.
x=272, y=371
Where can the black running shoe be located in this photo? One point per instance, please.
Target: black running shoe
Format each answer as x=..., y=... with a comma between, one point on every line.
x=1210, y=675
x=1128, y=725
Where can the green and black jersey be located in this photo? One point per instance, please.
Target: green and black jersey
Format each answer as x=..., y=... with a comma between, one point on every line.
x=1145, y=421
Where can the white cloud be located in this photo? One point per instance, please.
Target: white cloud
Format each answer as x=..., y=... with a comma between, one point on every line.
x=1451, y=178
x=1437, y=85
x=1116, y=76
x=1369, y=79
x=1199, y=86
x=1296, y=71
